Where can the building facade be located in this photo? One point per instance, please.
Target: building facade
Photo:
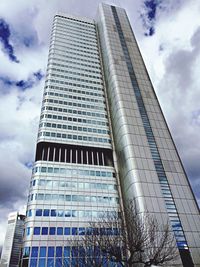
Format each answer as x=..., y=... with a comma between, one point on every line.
x=10, y=256
x=102, y=141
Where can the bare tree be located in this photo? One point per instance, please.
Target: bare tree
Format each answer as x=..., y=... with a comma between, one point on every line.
x=129, y=239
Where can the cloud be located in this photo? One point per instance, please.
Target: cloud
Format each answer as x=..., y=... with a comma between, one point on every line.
x=152, y=11
x=149, y=14
x=4, y=38
x=22, y=84
x=180, y=63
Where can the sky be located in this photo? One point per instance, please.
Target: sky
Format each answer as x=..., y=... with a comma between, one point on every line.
x=168, y=34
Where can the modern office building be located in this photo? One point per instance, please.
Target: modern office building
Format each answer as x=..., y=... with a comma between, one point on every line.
x=10, y=256
x=102, y=140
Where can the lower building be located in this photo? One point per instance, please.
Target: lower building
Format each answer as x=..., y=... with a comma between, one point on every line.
x=13, y=240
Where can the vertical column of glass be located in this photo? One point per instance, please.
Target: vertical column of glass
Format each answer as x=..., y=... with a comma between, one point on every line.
x=169, y=201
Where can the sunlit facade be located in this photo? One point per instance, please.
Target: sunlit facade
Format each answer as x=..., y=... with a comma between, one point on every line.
x=102, y=140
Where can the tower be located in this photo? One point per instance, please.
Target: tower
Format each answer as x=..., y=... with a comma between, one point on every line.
x=102, y=140
x=13, y=240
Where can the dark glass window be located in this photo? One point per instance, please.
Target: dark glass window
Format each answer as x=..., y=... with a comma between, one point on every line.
x=67, y=231
x=53, y=213
x=46, y=212
x=60, y=231
x=41, y=263
x=81, y=231
x=44, y=230
x=50, y=251
x=34, y=252
x=58, y=251
x=74, y=230
x=36, y=231
x=52, y=230
x=42, y=251
x=33, y=263
x=66, y=251
x=38, y=212
x=50, y=262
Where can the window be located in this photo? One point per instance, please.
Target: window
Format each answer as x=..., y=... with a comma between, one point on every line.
x=38, y=212
x=41, y=263
x=26, y=252
x=58, y=251
x=40, y=196
x=44, y=230
x=50, y=251
x=46, y=212
x=53, y=213
x=81, y=231
x=42, y=251
x=74, y=230
x=66, y=251
x=52, y=230
x=60, y=213
x=34, y=252
x=50, y=262
x=29, y=213
x=36, y=231
x=67, y=231
x=28, y=230
x=68, y=213
x=59, y=230
x=33, y=262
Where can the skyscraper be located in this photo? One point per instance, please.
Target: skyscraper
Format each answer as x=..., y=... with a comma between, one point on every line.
x=102, y=140
x=13, y=240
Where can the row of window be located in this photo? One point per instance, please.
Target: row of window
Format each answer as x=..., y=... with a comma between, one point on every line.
x=76, y=58
x=76, y=73
x=76, y=23
x=79, y=48
x=56, y=39
x=75, y=137
x=64, y=118
x=69, y=213
x=57, y=183
x=74, y=36
x=73, y=128
x=72, y=172
x=64, y=256
x=72, y=111
x=75, y=104
x=73, y=52
x=52, y=252
x=170, y=205
x=90, y=66
x=71, y=84
x=74, y=91
x=73, y=78
x=70, y=231
x=71, y=49
x=77, y=68
x=86, y=31
x=82, y=31
x=73, y=198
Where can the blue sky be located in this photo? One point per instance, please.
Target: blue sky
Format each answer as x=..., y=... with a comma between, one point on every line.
x=168, y=34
